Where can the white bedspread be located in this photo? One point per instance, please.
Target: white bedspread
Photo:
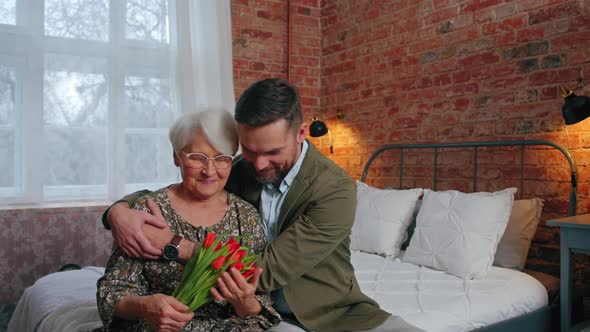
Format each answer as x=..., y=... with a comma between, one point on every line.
x=40, y=306
x=431, y=300
x=438, y=302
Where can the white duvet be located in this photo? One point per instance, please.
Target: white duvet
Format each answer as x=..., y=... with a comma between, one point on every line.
x=439, y=302
x=431, y=300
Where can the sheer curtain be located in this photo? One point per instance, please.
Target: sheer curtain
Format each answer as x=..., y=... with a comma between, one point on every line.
x=89, y=88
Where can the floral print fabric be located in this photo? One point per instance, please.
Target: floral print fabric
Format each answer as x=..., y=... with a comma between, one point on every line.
x=127, y=276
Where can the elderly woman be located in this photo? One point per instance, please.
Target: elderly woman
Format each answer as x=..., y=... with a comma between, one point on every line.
x=134, y=293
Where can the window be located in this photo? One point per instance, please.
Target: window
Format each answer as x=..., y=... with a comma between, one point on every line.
x=85, y=99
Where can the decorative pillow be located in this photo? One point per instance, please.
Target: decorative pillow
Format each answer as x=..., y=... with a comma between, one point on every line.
x=458, y=232
x=382, y=216
x=514, y=246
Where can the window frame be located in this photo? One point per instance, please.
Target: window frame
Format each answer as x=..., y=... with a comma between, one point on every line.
x=124, y=57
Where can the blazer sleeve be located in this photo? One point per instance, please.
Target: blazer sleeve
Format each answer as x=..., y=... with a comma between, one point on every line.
x=315, y=234
x=130, y=199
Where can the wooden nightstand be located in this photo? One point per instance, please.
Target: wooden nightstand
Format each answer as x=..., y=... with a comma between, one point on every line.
x=574, y=238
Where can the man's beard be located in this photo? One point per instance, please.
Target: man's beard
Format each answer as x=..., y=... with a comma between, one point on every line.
x=276, y=178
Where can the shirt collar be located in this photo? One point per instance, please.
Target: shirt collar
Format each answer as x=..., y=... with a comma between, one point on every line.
x=288, y=180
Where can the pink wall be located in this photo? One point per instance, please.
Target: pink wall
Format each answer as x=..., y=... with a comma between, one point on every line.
x=35, y=242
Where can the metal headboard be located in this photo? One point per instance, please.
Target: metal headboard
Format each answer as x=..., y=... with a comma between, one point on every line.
x=475, y=146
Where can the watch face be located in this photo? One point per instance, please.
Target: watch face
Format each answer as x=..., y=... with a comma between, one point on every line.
x=170, y=252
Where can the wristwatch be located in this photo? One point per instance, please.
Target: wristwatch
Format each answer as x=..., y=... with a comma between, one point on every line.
x=170, y=250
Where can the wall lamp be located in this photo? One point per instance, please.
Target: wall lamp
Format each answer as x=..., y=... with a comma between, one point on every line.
x=575, y=108
x=318, y=128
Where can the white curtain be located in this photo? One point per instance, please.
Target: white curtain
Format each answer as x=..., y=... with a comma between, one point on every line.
x=204, y=66
x=89, y=88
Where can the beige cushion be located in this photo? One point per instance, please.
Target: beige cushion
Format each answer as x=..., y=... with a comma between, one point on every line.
x=514, y=245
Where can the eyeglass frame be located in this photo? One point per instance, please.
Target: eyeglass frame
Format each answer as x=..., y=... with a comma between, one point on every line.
x=206, y=162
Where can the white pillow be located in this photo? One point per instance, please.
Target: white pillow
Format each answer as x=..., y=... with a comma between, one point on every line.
x=382, y=217
x=458, y=232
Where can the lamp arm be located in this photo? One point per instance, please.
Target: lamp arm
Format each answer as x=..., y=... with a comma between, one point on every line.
x=331, y=144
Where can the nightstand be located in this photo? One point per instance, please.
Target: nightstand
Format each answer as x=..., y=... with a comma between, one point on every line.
x=574, y=238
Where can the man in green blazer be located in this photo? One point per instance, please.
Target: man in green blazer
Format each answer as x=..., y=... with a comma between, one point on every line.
x=307, y=205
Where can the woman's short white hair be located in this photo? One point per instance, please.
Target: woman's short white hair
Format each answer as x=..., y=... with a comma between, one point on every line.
x=217, y=124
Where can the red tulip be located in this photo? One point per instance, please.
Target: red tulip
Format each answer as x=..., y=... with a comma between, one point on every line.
x=209, y=239
x=218, y=263
x=233, y=245
x=238, y=256
x=238, y=266
x=218, y=246
x=248, y=273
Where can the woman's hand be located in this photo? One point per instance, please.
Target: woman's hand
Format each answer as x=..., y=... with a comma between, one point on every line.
x=234, y=289
x=165, y=313
x=128, y=229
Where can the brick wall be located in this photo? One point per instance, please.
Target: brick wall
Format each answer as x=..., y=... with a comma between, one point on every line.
x=448, y=70
x=278, y=39
x=400, y=71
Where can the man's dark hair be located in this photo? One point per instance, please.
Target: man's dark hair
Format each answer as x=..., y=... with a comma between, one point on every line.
x=267, y=101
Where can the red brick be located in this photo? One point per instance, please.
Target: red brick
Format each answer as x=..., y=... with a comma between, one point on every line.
x=477, y=5
x=529, y=34
x=258, y=66
x=424, y=82
x=254, y=33
x=581, y=22
x=509, y=24
x=553, y=13
x=579, y=56
x=570, y=41
x=462, y=89
x=441, y=3
x=461, y=77
x=441, y=15
x=525, y=5
x=480, y=59
x=504, y=39
x=461, y=104
x=506, y=83
x=442, y=79
x=552, y=77
x=441, y=66
x=484, y=16
x=549, y=93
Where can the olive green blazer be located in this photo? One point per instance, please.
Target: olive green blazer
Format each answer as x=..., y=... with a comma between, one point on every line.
x=310, y=259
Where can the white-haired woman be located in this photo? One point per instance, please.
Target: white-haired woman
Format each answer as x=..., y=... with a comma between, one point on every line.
x=135, y=292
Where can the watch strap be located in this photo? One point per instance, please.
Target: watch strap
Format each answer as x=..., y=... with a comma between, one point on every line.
x=176, y=240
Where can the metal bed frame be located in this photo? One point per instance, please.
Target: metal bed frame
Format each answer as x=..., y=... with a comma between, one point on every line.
x=543, y=319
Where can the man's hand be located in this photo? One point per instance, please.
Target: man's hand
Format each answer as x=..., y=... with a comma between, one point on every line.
x=127, y=225
x=165, y=313
x=234, y=289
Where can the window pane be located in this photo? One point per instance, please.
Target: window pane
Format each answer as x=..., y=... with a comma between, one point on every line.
x=8, y=12
x=147, y=103
x=75, y=99
x=7, y=151
x=149, y=159
x=147, y=20
x=82, y=19
x=75, y=156
x=7, y=95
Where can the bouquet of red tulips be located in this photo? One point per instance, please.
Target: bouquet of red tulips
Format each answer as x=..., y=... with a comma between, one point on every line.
x=201, y=272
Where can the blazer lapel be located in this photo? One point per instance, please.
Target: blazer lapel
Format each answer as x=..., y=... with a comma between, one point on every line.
x=300, y=184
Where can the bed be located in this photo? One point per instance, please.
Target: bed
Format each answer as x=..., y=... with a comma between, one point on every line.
x=435, y=300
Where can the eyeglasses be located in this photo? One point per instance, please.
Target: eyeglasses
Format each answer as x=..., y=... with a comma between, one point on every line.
x=199, y=160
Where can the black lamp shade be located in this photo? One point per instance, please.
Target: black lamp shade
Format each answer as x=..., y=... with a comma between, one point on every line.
x=317, y=128
x=575, y=109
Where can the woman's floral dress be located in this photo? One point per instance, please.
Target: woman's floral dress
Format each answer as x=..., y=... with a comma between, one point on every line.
x=127, y=276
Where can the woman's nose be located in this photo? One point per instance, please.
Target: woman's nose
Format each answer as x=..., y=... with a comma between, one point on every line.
x=209, y=167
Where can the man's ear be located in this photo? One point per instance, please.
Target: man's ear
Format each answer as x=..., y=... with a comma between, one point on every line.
x=176, y=161
x=302, y=132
